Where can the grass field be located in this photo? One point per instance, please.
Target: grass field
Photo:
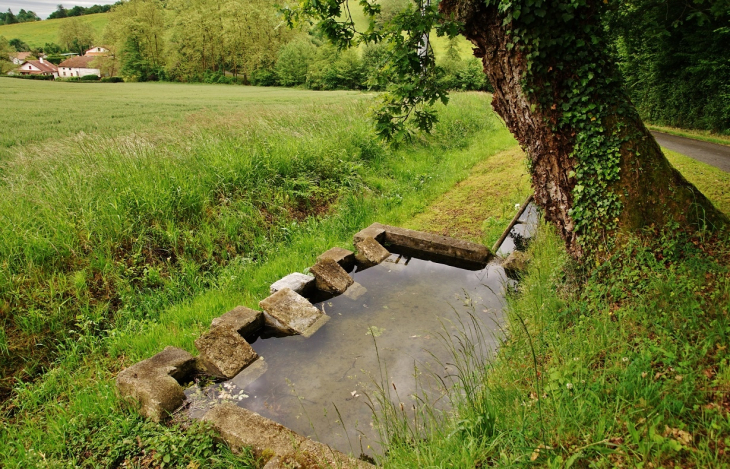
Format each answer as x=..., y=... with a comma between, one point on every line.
x=116, y=245
x=36, y=112
x=38, y=33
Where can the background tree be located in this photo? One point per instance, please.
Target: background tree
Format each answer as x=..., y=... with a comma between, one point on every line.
x=675, y=60
x=6, y=51
x=76, y=35
x=19, y=45
x=60, y=12
x=597, y=172
x=136, y=29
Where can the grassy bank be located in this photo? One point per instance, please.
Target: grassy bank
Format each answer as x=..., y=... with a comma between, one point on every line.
x=624, y=365
x=704, y=135
x=126, y=245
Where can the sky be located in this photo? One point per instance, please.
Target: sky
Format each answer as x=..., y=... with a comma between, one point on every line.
x=43, y=8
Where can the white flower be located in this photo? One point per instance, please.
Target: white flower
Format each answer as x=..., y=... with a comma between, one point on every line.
x=517, y=206
x=569, y=385
x=625, y=359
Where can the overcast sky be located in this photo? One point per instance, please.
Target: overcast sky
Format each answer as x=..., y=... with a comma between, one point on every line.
x=43, y=8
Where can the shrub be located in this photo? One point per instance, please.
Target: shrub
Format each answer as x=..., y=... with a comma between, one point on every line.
x=112, y=80
x=265, y=76
x=293, y=62
x=90, y=78
x=333, y=70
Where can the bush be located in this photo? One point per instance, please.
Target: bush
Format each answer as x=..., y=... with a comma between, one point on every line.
x=464, y=75
x=265, y=76
x=34, y=77
x=112, y=80
x=90, y=78
x=293, y=62
x=333, y=70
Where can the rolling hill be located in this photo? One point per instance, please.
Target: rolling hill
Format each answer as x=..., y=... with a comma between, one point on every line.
x=38, y=33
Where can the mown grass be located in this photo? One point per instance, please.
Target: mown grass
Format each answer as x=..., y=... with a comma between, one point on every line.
x=42, y=112
x=623, y=365
x=38, y=33
x=127, y=245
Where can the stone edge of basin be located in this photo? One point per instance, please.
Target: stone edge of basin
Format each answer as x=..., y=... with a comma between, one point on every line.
x=425, y=242
x=242, y=428
x=287, y=310
x=154, y=383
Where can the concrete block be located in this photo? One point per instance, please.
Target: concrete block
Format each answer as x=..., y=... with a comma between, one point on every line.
x=355, y=291
x=280, y=446
x=243, y=320
x=372, y=251
x=154, y=383
x=331, y=277
x=345, y=258
x=293, y=311
x=298, y=282
x=425, y=242
x=224, y=352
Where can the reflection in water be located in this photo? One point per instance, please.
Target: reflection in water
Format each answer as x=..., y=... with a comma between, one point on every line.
x=318, y=386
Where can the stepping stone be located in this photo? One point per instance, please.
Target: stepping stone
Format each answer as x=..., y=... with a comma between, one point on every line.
x=372, y=251
x=155, y=383
x=293, y=312
x=331, y=277
x=298, y=282
x=275, y=444
x=342, y=256
x=224, y=352
x=243, y=320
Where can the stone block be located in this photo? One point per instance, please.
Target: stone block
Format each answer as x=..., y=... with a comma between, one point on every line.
x=355, y=291
x=154, y=383
x=292, y=311
x=331, y=277
x=298, y=282
x=372, y=251
x=277, y=444
x=515, y=263
x=243, y=320
x=224, y=353
x=425, y=242
x=342, y=256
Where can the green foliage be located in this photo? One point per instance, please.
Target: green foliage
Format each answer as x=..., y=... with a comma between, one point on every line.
x=334, y=70
x=6, y=51
x=675, y=61
x=22, y=17
x=90, y=78
x=292, y=64
x=78, y=10
x=76, y=36
x=19, y=45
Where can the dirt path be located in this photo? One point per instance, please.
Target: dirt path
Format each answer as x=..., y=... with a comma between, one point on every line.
x=710, y=153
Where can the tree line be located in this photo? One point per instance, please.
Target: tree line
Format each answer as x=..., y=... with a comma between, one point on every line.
x=77, y=10
x=23, y=16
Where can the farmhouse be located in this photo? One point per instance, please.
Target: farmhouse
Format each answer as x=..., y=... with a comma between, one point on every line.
x=20, y=57
x=78, y=67
x=38, y=67
x=97, y=51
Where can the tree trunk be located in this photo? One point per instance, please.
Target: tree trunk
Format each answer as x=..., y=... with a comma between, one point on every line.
x=648, y=189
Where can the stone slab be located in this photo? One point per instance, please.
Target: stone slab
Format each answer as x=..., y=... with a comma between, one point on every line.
x=515, y=264
x=300, y=283
x=355, y=291
x=291, y=310
x=372, y=251
x=243, y=320
x=425, y=242
x=278, y=445
x=224, y=352
x=342, y=256
x=330, y=276
x=154, y=383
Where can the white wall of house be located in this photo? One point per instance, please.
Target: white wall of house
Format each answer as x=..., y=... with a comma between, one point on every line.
x=65, y=72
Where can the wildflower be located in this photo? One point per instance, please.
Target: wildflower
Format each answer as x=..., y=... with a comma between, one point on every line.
x=569, y=385
x=625, y=359
x=517, y=206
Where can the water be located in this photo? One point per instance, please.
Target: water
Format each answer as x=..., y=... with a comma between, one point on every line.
x=319, y=386
x=405, y=305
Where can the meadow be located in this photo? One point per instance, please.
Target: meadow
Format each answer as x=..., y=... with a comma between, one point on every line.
x=115, y=245
x=38, y=33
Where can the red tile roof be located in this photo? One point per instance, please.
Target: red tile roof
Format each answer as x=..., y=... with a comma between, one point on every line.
x=77, y=62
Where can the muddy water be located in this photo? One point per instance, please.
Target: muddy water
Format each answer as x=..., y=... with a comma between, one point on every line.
x=404, y=305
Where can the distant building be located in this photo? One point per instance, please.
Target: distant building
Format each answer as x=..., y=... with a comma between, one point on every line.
x=38, y=67
x=20, y=57
x=97, y=51
x=78, y=67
